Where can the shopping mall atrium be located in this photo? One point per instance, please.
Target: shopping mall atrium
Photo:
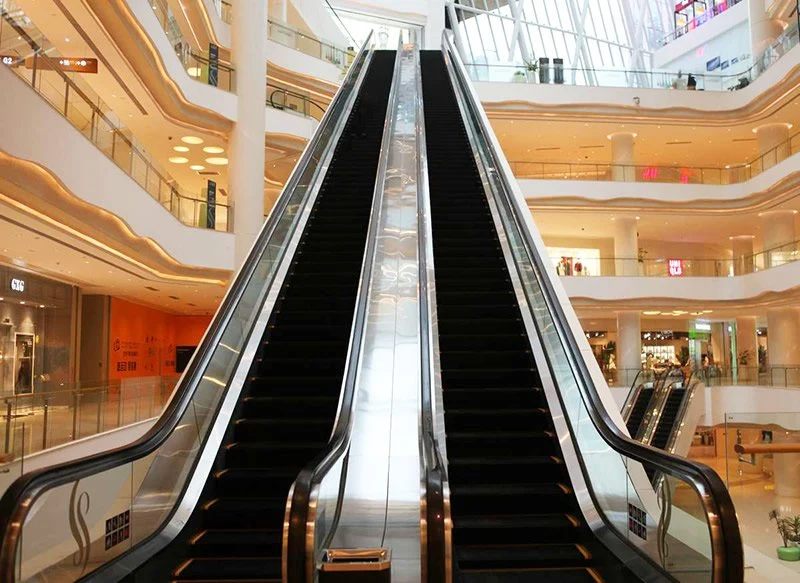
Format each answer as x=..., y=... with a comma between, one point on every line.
x=441, y=291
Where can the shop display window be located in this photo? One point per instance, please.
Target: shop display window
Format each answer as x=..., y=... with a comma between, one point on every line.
x=36, y=333
x=575, y=262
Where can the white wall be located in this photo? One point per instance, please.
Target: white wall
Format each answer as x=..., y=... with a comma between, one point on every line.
x=720, y=401
x=726, y=36
x=427, y=13
x=34, y=131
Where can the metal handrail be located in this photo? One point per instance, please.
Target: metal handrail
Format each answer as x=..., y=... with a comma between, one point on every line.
x=298, y=550
x=691, y=388
x=726, y=542
x=437, y=564
x=19, y=498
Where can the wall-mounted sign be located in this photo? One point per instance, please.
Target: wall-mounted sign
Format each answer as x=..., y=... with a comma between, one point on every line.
x=675, y=267
x=68, y=64
x=713, y=64
x=17, y=285
x=702, y=326
x=11, y=60
x=211, y=205
x=213, y=65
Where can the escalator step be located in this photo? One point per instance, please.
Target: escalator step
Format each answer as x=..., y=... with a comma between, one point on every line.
x=240, y=543
x=541, y=556
x=560, y=574
x=516, y=529
x=237, y=569
x=241, y=513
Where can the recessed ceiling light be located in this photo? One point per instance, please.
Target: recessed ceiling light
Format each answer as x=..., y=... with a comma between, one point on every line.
x=217, y=161
x=197, y=167
x=213, y=150
x=191, y=140
x=41, y=305
x=194, y=71
x=66, y=39
x=178, y=160
x=181, y=148
x=22, y=303
x=651, y=313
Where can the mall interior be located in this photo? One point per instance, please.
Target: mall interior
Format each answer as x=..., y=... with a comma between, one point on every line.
x=445, y=291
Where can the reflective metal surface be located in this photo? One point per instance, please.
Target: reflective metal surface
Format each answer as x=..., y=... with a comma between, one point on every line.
x=381, y=505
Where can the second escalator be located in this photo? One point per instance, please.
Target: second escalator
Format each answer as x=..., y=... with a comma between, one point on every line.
x=515, y=514
x=289, y=402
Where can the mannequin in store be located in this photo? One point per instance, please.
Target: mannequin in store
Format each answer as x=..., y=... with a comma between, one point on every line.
x=23, y=384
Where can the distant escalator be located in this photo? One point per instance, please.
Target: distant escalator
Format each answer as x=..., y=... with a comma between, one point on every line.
x=669, y=418
x=638, y=410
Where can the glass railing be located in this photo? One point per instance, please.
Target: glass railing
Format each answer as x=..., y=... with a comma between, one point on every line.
x=653, y=79
x=607, y=172
x=673, y=267
x=30, y=423
x=155, y=481
x=716, y=8
x=36, y=62
x=684, y=521
x=293, y=101
x=713, y=375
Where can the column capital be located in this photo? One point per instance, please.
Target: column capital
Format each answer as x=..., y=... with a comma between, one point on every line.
x=622, y=135
x=779, y=125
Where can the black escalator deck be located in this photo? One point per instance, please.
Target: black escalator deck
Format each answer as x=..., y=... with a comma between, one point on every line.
x=638, y=410
x=668, y=418
x=515, y=516
x=289, y=402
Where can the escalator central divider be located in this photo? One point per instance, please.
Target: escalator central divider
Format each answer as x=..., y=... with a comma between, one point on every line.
x=298, y=551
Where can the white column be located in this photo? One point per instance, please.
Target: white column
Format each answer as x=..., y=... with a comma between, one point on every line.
x=278, y=9
x=763, y=29
x=626, y=246
x=742, y=246
x=747, y=341
x=249, y=55
x=622, y=145
x=778, y=232
x=629, y=346
x=787, y=465
x=783, y=345
x=773, y=144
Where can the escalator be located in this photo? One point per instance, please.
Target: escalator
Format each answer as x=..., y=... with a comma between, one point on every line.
x=636, y=416
x=515, y=515
x=289, y=401
x=668, y=417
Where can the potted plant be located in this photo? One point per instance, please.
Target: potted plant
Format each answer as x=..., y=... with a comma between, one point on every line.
x=530, y=70
x=789, y=529
x=518, y=77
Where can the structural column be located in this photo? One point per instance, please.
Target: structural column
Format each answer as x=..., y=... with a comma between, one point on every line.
x=626, y=246
x=622, y=145
x=779, y=233
x=783, y=346
x=763, y=28
x=747, y=347
x=629, y=346
x=249, y=55
x=742, y=246
x=773, y=144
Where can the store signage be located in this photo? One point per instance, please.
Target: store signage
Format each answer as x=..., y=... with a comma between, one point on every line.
x=681, y=6
x=702, y=327
x=11, y=60
x=17, y=285
x=713, y=64
x=213, y=65
x=211, y=206
x=675, y=267
x=68, y=64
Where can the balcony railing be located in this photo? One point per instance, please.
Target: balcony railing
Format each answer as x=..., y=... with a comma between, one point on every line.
x=606, y=172
x=714, y=375
x=35, y=61
x=675, y=267
x=654, y=79
x=714, y=10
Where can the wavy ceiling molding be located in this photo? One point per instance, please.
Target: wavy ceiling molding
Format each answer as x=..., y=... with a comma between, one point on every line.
x=759, y=108
x=785, y=298
x=40, y=194
x=782, y=192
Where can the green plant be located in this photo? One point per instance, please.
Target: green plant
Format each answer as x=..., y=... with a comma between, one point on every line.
x=519, y=73
x=788, y=527
x=531, y=66
x=744, y=357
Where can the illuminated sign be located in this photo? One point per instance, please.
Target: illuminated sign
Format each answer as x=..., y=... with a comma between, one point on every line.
x=702, y=327
x=68, y=64
x=17, y=285
x=675, y=267
x=650, y=173
x=11, y=60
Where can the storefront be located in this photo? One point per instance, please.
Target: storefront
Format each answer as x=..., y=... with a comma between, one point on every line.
x=37, y=333
x=574, y=261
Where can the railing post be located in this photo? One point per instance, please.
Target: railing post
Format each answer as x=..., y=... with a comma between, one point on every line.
x=46, y=408
x=99, y=410
x=119, y=407
x=76, y=399
x=8, y=425
x=66, y=101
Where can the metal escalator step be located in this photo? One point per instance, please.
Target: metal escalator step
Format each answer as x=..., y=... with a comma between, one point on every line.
x=241, y=543
x=230, y=569
x=526, y=556
x=554, y=575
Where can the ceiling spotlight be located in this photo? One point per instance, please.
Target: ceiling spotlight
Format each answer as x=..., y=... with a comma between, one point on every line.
x=181, y=149
x=178, y=160
x=194, y=140
x=217, y=161
x=213, y=150
x=197, y=167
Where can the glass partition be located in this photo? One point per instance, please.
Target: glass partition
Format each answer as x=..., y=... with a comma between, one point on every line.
x=31, y=57
x=126, y=496
x=660, y=505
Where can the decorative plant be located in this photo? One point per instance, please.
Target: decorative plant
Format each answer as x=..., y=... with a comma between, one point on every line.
x=642, y=255
x=788, y=527
x=519, y=73
x=531, y=66
x=744, y=357
x=762, y=356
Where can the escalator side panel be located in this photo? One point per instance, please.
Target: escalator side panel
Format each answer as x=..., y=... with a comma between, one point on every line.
x=289, y=403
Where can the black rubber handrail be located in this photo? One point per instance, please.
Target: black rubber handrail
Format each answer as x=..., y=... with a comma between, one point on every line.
x=726, y=541
x=281, y=90
x=20, y=496
x=296, y=559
